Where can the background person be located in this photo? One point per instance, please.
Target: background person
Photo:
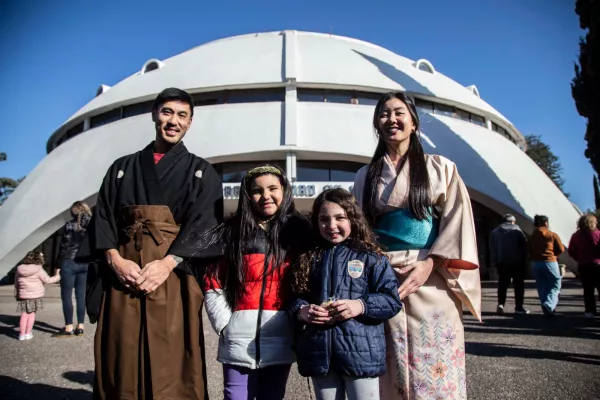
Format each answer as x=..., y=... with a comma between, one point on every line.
x=508, y=253
x=544, y=248
x=73, y=274
x=583, y=248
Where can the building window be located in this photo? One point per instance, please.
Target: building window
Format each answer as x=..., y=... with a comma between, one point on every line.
x=338, y=96
x=208, y=99
x=464, y=115
x=366, y=99
x=326, y=171
x=72, y=132
x=423, y=106
x=105, y=118
x=478, y=120
x=443, y=109
x=137, y=109
x=255, y=96
x=151, y=65
x=312, y=95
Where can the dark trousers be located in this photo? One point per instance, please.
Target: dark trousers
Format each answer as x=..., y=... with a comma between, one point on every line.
x=73, y=276
x=516, y=274
x=590, y=280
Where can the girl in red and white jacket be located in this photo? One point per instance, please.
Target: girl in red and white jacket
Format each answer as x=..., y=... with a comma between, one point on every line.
x=248, y=291
x=29, y=290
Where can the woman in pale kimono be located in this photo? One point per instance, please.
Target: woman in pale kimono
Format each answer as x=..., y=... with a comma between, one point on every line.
x=420, y=209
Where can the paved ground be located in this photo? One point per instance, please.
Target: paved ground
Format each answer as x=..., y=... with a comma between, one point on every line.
x=526, y=358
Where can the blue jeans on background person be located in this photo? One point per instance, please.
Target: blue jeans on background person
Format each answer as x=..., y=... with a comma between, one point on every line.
x=73, y=276
x=548, y=280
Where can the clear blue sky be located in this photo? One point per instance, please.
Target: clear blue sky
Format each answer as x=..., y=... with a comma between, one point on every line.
x=520, y=54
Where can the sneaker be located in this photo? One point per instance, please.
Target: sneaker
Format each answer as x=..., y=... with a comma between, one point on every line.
x=29, y=336
x=63, y=334
x=521, y=311
x=588, y=315
x=22, y=337
x=500, y=309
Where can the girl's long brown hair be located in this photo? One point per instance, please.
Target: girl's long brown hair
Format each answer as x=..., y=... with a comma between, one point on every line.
x=361, y=236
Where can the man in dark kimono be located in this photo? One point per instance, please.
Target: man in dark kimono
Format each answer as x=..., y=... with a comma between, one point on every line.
x=149, y=343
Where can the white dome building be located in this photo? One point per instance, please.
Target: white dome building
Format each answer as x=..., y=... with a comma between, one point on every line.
x=298, y=99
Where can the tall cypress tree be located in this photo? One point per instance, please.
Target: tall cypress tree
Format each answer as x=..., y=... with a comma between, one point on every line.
x=585, y=87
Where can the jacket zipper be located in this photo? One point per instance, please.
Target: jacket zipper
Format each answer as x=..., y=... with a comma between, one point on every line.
x=331, y=256
x=260, y=308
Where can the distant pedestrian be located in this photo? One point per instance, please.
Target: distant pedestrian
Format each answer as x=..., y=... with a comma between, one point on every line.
x=29, y=290
x=583, y=248
x=73, y=274
x=508, y=250
x=544, y=248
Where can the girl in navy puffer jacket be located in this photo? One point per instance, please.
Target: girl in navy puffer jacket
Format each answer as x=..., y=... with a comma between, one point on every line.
x=346, y=289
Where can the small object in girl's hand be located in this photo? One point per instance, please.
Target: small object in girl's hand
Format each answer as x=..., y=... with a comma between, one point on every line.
x=327, y=303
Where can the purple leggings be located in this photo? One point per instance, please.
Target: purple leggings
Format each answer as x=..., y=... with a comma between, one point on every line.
x=261, y=384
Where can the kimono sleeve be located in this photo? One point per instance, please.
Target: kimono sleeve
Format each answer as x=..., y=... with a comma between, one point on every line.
x=456, y=241
x=206, y=212
x=105, y=233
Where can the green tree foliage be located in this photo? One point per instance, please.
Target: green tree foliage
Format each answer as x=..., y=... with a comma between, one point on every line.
x=585, y=87
x=543, y=156
x=7, y=185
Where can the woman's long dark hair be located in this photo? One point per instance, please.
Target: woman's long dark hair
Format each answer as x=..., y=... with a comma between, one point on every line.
x=361, y=235
x=419, y=189
x=243, y=228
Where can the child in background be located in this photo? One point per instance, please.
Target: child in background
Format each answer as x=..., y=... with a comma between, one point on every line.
x=29, y=290
x=248, y=293
x=342, y=347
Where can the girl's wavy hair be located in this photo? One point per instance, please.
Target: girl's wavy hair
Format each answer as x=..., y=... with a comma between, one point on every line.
x=242, y=228
x=34, y=257
x=81, y=212
x=419, y=192
x=361, y=236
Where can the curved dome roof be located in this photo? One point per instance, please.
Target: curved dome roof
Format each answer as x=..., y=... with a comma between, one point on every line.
x=275, y=57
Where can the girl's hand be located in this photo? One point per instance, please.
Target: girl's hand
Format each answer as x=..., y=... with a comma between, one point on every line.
x=313, y=314
x=346, y=309
x=418, y=273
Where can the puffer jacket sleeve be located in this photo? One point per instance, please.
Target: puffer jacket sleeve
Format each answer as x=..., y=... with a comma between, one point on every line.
x=382, y=302
x=217, y=309
x=296, y=305
x=47, y=279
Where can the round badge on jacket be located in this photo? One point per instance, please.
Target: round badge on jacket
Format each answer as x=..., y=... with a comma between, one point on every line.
x=356, y=268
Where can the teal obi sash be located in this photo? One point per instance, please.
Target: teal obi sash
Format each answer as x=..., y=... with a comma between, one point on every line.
x=397, y=231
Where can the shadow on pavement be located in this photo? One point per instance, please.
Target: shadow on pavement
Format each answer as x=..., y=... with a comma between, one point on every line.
x=12, y=321
x=85, y=378
x=15, y=389
x=568, y=324
x=504, y=350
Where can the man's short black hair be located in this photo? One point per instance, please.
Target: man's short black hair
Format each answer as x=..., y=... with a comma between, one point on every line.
x=173, y=94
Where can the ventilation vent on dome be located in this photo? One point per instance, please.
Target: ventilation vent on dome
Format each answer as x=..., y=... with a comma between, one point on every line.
x=474, y=90
x=424, y=65
x=102, y=89
x=151, y=65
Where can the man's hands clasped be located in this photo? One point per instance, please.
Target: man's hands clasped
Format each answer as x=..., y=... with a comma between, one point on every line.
x=140, y=280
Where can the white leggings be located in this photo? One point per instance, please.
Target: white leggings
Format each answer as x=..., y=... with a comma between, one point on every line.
x=334, y=386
